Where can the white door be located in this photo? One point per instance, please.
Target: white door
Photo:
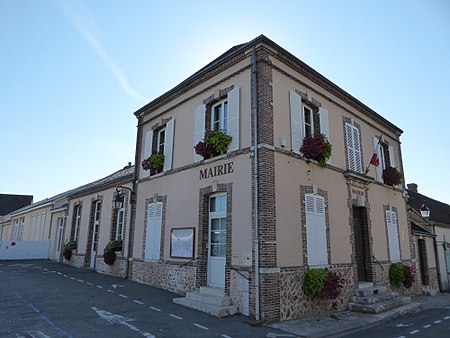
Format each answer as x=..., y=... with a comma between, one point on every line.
x=59, y=238
x=217, y=240
x=95, y=233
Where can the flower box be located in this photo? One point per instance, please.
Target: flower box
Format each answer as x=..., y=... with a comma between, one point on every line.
x=317, y=148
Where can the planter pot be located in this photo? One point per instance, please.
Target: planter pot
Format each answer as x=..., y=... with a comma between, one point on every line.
x=67, y=255
x=109, y=257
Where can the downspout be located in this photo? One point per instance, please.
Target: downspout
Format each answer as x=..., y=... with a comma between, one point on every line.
x=255, y=180
x=133, y=200
x=436, y=253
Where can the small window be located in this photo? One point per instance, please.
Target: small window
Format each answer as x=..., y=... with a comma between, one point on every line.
x=120, y=224
x=160, y=141
x=219, y=116
x=76, y=221
x=308, y=119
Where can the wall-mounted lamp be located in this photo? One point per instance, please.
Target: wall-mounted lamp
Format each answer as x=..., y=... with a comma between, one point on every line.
x=425, y=211
x=119, y=199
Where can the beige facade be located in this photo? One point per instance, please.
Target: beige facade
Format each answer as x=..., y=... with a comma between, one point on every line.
x=358, y=211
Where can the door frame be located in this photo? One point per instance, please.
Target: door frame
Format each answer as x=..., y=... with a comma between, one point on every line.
x=361, y=237
x=95, y=225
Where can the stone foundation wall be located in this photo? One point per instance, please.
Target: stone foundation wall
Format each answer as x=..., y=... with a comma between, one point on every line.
x=117, y=269
x=164, y=275
x=76, y=261
x=239, y=291
x=381, y=277
x=433, y=279
x=295, y=304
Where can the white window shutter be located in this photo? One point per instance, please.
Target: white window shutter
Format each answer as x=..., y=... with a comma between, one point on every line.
x=350, y=147
x=295, y=101
x=377, y=150
x=394, y=245
x=357, y=147
x=148, y=140
x=153, y=237
x=392, y=157
x=168, y=145
x=316, y=232
x=233, y=118
x=199, y=128
x=324, y=125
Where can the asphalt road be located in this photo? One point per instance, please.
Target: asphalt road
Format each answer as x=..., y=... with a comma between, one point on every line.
x=47, y=299
x=429, y=323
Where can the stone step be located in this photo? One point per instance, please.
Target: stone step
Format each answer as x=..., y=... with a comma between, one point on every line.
x=380, y=306
x=400, y=311
x=207, y=290
x=427, y=291
x=209, y=299
x=372, y=299
x=371, y=290
x=215, y=310
x=363, y=285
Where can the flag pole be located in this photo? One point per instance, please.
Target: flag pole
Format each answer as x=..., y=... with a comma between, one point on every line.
x=375, y=152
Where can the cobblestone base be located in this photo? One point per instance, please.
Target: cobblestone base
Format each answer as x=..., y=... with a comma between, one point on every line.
x=117, y=269
x=295, y=304
x=382, y=278
x=165, y=276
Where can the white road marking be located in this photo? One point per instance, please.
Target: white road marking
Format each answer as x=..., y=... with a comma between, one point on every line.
x=123, y=296
x=448, y=317
x=109, y=290
x=138, y=301
x=201, y=326
x=88, y=283
x=404, y=325
x=100, y=287
x=427, y=326
x=115, y=318
x=117, y=286
x=175, y=316
x=81, y=281
x=66, y=276
x=437, y=321
x=225, y=336
x=155, y=308
x=72, y=278
x=59, y=273
x=401, y=337
x=414, y=332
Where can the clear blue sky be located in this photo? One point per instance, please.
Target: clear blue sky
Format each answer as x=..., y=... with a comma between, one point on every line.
x=73, y=72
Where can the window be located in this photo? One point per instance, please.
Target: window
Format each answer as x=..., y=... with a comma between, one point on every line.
x=385, y=153
x=218, y=225
x=392, y=231
x=316, y=232
x=219, y=116
x=159, y=141
x=222, y=114
x=120, y=223
x=37, y=226
x=76, y=221
x=153, y=237
x=306, y=120
x=354, y=158
x=15, y=232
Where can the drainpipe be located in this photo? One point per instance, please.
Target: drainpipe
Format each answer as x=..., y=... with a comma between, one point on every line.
x=255, y=180
x=436, y=253
x=133, y=199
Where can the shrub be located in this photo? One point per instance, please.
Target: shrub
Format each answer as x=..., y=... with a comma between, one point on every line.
x=396, y=274
x=314, y=282
x=332, y=287
x=409, y=276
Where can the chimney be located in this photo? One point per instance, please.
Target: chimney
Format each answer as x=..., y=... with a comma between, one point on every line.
x=412, y=187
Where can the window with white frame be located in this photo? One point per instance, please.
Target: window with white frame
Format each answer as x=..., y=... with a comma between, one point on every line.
x=120, y=225
x=222, y=113
x=76, y=222
x=316, y=230
x=153, y=235
x=386, y=156
x=353, y=144
x=159, y=141
x=307, y=119
x=219, y=116
x=392, y=232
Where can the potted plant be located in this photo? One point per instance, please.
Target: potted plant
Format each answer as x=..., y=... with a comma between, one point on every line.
x=391, y=176
x=215, y=143
x=317, y=148
x=154, y=163
x=67, y=249
x=109, y=253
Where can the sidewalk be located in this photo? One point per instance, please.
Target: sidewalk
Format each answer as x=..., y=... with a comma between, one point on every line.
x=339, y=323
